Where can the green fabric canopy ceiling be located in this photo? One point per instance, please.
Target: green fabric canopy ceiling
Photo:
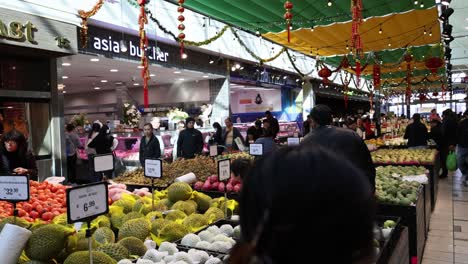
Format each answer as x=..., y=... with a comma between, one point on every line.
x=324, y=31
x=267, y=15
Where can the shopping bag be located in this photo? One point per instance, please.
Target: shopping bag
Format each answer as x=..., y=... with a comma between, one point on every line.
x=452, y=161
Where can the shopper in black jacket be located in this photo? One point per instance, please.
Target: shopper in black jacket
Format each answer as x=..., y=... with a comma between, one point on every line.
x=343, y=142
x=273, y=123
x=449, y=135
x=190, y=142
x=462, y=146
x=149, y=145
x=436, y=133
x=15, y=158
x=416, y=133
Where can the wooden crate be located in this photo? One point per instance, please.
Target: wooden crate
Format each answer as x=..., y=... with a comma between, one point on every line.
x=400, y=253
x=427, y=206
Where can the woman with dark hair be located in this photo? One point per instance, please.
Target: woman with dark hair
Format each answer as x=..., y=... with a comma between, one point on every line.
x=240, y=168
x=292, y=206
x=15, y=158
x=217, y=137
x=91, y=151
x=104, y=143
x=267, y=138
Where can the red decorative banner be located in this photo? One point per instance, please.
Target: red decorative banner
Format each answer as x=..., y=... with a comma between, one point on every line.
x=142, y=21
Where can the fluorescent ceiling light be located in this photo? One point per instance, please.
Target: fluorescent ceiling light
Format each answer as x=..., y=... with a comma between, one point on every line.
x=66, y=64
x=103, y=81
x=97, y=88
x=114, y=70
x=140, y=67
x=206, y=76
x=177, y=72
x=94, y=59
x=152, y=75
x=64, y=77
x=136, y=84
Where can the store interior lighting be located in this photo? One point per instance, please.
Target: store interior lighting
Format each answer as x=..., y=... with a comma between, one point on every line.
x=211, y=60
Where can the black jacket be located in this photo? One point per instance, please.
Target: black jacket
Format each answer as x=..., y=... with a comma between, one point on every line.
x=436, y=135
x=255, y=132
x=344, y=142
x=462, y=133
x=11, y=161
x=102, y=144
x=306, y=127
x=190, y=143
x=449, y=131
x=416, y=133
x=274, y=126
x=236, y=134
x=150, y=150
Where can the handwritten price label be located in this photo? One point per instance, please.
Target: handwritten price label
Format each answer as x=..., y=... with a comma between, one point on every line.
x=87, y=202
x=14, y=188
x=256, y=149
x=153, y=168
x=224, y=170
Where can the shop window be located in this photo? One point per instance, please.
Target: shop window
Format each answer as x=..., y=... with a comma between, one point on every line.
x=33, y=120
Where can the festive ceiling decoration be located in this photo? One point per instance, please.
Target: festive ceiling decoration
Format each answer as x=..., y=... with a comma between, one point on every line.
x=266, y=16
x=84, y=15
x=142, y=21
x=334, y=39
x=181, y=27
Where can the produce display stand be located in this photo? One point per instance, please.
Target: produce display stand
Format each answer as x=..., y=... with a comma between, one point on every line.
x=427, y=206
x=218, y=223
x=413, y=217
x=433, y=176
x=400, y=253
x=387, y=245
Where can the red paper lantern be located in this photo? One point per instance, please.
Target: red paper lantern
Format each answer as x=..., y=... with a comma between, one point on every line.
x=181, y=18
x=181, y=36
x=288, y=17
x=180, y=9
x=142, y=2
x=435, y=94
x=181, y=27
x=434, y=63
x=181, y=1
x=325, y=73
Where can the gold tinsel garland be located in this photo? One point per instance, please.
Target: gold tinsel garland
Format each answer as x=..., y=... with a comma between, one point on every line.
x=84, y=21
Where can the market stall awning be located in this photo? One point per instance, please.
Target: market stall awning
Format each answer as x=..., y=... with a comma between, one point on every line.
x=396, y=33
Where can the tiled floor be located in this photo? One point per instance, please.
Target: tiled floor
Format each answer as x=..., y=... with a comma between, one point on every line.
x=448, y=231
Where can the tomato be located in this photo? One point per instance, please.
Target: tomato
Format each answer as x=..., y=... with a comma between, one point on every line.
x=27, y=207
x=21, y=212
x=34, y=214
x=47, y=216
